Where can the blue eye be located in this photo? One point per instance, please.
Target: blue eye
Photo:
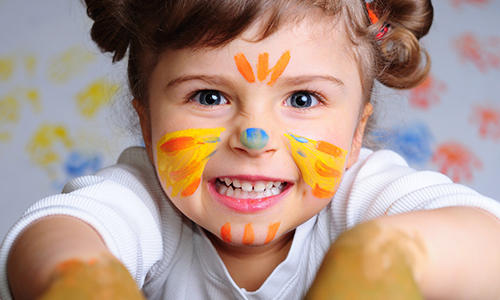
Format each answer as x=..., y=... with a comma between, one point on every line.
x=302, y=100
x=209, y=98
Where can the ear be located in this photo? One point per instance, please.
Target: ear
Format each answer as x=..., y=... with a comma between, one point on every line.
x=357, y=140
x=144, y=119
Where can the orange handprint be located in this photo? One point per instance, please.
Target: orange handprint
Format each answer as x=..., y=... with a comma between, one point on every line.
x=427, y=93
x=488, y=120
x=456, y=161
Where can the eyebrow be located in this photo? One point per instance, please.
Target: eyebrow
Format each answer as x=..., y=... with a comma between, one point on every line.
x=283, y=81
x=210, y=79
x=298, y=80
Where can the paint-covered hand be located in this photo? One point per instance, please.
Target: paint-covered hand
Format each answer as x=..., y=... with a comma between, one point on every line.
x=101, y=278
x=368, y=262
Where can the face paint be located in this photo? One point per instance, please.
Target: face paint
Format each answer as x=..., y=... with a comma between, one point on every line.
x=182, y=157
x=271, y=233
x=95, y=279
x=263, y=70
x=254, y=138
x=248, y=235
x=320, y=163
x=225, y=233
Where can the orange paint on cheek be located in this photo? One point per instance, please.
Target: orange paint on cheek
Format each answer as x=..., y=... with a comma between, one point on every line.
x=178, y=144
x=329, y=149
x=320, y=163
x=322, y=193
x=271, y=233
x=244, y=67
x=182, y=157
x=325, y=171
x=225, y=233
x=248, y=235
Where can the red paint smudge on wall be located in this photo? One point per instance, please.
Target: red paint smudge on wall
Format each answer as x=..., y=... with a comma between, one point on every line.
x=456, y=161
x=484, y=52
x=458, y=3
x=488, y=120
x=427, y=93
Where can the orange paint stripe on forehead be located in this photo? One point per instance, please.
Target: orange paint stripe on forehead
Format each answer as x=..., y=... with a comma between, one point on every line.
x=225, y=233
x=248, y=235
x=263, y=66
x=271, y=233
x=244, y=67
x=279, y=68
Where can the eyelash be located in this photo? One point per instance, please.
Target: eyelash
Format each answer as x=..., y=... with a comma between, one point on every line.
x=312, y=92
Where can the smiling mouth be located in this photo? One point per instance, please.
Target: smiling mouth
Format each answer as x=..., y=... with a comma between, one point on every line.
x=240, y=189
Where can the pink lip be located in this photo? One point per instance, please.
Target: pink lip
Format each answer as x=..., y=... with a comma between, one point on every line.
x=247, y=205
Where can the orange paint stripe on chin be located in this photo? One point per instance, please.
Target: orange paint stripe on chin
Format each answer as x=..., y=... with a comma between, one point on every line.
x=271, y=233
x=244, y=67
x=248, y=235
x=225, y=233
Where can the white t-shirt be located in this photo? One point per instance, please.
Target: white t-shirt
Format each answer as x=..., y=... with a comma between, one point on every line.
x=170, y=257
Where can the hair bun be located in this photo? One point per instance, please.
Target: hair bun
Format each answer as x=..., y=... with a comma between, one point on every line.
x=403, y=63
x=111, y=28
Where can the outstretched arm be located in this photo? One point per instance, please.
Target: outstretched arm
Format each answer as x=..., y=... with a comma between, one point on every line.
x=59, y=255
x=447, y=253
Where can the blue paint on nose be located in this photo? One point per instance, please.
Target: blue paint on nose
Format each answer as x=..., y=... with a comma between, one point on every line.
x=254, y=138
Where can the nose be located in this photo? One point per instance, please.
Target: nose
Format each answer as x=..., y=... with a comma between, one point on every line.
x=254, y=142
x=254, y=138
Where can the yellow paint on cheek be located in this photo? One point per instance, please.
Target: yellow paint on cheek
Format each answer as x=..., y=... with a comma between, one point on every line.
x=182, y=157
x=320, y=163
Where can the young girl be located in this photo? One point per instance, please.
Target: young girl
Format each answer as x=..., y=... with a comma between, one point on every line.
x=253, y=183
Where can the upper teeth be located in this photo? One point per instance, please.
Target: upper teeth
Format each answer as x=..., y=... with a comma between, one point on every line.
x=245, y=189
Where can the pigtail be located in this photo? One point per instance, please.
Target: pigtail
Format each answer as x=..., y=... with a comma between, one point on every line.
x=401, y=62
x=112, y=27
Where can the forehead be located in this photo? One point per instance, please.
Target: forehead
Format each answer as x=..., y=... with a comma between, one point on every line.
x=316, y=47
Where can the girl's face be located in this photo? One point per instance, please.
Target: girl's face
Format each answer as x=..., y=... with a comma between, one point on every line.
x=251, y=139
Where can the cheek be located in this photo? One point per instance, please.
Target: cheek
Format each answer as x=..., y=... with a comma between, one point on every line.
x=182, y=157
x=321, y=164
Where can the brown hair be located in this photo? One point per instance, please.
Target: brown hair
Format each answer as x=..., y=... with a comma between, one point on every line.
x=145, y=28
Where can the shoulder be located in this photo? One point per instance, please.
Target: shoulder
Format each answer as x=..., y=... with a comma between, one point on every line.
x=381, y=183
